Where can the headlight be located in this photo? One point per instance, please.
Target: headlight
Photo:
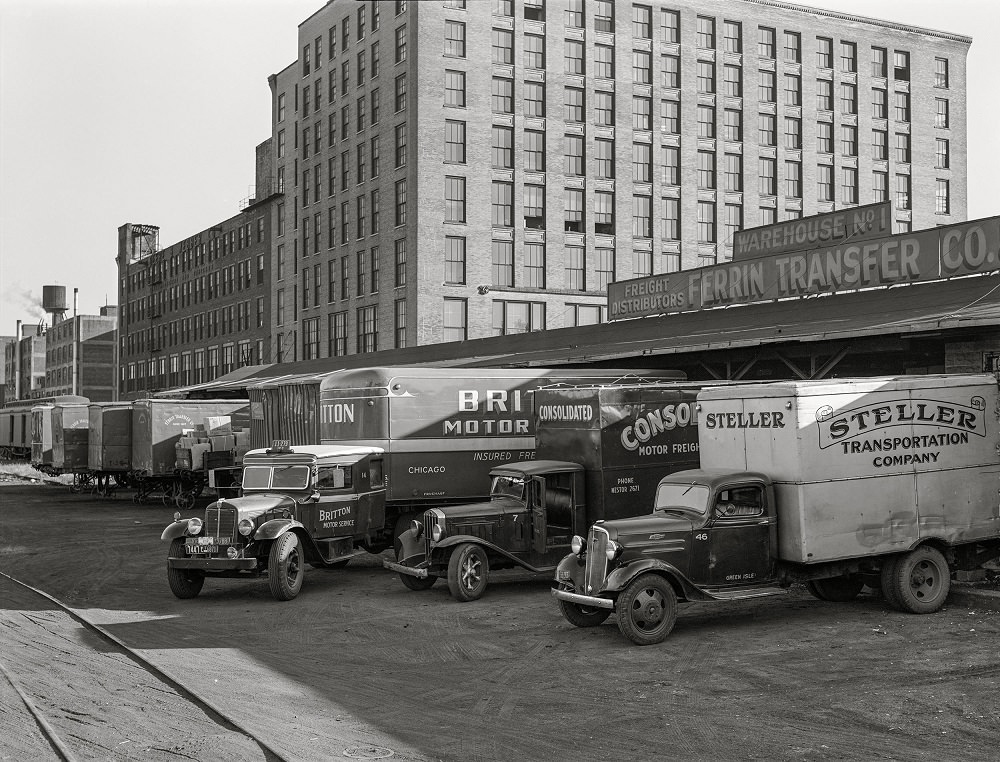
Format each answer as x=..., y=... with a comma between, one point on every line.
x=437, y=532
x=578, y=544
x=417, y=526
x=612, y=550
x=245, y=527
x=194, y=526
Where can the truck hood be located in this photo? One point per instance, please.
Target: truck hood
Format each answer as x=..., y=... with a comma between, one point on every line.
x=496, y=507
x=644, y=528
x=251, y=506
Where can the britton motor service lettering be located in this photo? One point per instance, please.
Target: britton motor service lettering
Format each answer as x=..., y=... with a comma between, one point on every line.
x=869, y=429
x=639, y=435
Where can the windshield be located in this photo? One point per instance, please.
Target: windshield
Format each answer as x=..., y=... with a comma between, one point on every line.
x=508, y=486
x=275, y=477
x=692, y=498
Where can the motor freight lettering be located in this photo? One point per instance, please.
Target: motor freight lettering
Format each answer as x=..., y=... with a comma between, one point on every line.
x=892, y=483
x=622, y=439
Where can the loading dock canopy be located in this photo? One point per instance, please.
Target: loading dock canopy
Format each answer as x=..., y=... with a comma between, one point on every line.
x=811, y=324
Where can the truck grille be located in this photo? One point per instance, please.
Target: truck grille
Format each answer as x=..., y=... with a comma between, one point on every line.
x=220, y=522
x=596, y=569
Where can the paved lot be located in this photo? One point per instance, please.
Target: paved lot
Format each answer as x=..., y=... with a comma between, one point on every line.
x=357, y=664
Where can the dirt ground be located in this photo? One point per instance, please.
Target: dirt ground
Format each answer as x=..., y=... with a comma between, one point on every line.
x=359, y=667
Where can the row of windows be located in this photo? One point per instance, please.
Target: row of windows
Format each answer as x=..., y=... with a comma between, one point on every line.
x=187, y=256
x=229, y=280
x=533, y=48
x=195, y=367
x=232, y=319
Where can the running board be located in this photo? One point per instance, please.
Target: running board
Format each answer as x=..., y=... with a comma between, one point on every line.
x=743, y=593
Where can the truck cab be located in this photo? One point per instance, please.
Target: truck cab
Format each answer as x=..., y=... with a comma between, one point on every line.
x=712, y=535
x=535, y=509
x=299, y=505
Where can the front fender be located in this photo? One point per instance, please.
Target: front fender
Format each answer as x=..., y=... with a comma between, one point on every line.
x=175, y=530
x=460, y=539
x=273, y=529
x=411, y=552
x=620, y=578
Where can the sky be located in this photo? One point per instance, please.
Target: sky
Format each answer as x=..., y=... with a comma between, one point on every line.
x=149, y=111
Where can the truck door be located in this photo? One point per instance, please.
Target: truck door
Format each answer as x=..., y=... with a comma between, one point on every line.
x=736, y=546
x=536, y=503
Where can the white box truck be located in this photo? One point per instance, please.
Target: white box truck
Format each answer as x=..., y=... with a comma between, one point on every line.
x=889, y=482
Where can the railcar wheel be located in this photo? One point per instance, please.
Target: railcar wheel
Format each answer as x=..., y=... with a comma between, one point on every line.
x=468, y=572
x=835, y=589
x=583, y=616
x=647, y=610
x=184, y=583
x=921, y=581
x=284, y=567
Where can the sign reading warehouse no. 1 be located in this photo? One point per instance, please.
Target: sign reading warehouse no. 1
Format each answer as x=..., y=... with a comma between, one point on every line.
x=961, y=249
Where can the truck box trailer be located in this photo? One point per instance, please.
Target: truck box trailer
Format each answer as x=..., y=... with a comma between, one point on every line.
x=109, y=449
x=622, y=441
x=890, y=482
x=70, y=435
x=443, y=429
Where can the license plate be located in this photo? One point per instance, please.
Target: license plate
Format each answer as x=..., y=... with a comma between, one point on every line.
x=197, y=549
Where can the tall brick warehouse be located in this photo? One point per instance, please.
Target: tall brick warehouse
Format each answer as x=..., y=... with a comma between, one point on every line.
x=456, y=169
x=449, y=169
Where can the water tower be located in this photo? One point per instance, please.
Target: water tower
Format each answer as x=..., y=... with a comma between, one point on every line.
x=54, y=302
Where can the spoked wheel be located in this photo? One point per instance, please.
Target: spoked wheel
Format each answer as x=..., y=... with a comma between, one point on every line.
x=284, y=568
x=468, y=572
x=920, y=581
x=647, y=610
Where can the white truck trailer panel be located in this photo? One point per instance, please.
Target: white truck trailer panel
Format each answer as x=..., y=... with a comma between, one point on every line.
x=864, y=466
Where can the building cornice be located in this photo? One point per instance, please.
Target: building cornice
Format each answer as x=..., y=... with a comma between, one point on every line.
x=862, y=20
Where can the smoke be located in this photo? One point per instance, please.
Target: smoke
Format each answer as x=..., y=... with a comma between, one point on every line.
x=26, y=299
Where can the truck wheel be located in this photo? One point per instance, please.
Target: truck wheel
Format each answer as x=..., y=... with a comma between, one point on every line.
x=583, y=616
x=184, y=583
x=886, y=583
x=647, y=610
x=835, y=589
x=921, y=580
x=468, y=572
x=284, y=567
x=417, y=583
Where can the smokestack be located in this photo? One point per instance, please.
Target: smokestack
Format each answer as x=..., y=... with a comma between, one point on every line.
x=17, y=363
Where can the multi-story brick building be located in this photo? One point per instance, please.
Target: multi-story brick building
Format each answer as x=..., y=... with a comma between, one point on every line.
x=434, y=192
x=197, y=309
x=80, y=355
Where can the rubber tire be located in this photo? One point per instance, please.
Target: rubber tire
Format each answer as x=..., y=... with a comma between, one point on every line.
x=835, y=589
x=583, y=616
x=468, y=572
x=887, y=574
x=184, y=583
x=921, y=581
x=417, y=583
x=285, y=567
x=647, y=610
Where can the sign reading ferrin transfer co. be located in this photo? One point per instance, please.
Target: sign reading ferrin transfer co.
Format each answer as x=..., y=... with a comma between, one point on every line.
x=961, y=249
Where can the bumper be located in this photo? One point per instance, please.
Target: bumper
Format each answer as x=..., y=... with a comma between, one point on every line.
x=403, y=569
x=583, y=600
x=213, y=564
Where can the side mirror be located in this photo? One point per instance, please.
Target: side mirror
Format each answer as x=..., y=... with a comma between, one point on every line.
x=314, y=497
